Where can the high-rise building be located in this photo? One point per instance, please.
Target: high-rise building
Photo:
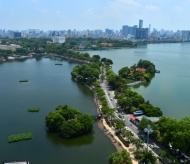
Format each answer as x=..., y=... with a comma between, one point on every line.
x=149, y=30
x=141, y=33
x=140, y=23
x=109, y=32
x=129, y=30
x=17, y=34
x=186, y=35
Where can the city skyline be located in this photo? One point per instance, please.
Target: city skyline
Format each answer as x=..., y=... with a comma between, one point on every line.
x=95, y=14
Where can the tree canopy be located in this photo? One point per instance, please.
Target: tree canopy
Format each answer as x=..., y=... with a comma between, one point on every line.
x=122, y=157
x=69, y=122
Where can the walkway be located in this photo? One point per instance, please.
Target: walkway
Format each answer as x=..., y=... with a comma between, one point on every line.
x=111, y=131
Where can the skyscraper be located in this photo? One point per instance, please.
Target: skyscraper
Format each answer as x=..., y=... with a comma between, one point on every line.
x=140, y=23
x=149, y=30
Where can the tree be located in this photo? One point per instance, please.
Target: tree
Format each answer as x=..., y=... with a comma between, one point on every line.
x=54, y=120
x=69, y=122
x=162, y=154
x=147, y=157
x=122, y=157
x=137, y=142
x=124, y=72
x=119, y=124
x=128, y=134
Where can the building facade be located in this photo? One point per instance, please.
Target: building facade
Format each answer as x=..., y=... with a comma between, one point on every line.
x=59, y=39
x=141, y=33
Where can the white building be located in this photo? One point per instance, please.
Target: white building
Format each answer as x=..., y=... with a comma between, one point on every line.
x=59, y=39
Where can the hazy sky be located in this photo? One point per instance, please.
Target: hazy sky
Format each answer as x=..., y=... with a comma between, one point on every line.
x=93, y=14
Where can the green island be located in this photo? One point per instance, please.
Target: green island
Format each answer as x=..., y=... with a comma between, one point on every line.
x=23, y=81
x=69, y=122
x=33, y=109
x=19, y=137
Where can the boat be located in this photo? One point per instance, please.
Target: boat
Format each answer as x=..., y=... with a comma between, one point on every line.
x=16, y=162
x=58, y=64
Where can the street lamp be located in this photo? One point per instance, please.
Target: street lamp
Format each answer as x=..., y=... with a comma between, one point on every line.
x=148, y=130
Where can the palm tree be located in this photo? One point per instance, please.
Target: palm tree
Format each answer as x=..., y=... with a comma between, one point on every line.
x=137, y=142
x=147, y=157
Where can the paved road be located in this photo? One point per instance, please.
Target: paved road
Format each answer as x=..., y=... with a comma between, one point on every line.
x=112, y=103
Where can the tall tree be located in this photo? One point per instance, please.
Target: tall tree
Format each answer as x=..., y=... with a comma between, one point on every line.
x=147, y=157
x=122, y=157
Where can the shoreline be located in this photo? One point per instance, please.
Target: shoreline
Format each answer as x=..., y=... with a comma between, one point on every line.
x=110, y=133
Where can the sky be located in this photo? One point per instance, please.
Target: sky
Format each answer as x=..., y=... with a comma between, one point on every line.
x=93, y=14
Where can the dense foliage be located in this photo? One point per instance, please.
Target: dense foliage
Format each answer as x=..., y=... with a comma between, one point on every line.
x=150, y=110
x=86, y=73
x=122, y=157
x=143, y=70
x=69, y=122
x=175, y=133
x=19, y=137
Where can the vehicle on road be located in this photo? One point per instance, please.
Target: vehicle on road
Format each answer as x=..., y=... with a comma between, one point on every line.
x=111, y=98
x=138, y=113
x=151, y=146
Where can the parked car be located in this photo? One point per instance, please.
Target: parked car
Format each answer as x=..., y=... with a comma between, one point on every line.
x=151, y=146
x=138, y=113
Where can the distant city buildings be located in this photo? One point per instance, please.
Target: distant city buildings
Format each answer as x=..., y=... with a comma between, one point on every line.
x=58, y=39
x=127, y=32
x=186, y=35
x=11, y=47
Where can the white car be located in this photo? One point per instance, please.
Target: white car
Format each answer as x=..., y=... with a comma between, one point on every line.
x=151, y=146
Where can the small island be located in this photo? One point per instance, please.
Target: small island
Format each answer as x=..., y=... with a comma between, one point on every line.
x=19, y=137
x=23, y=81
x=33, y=109
x=69, y=122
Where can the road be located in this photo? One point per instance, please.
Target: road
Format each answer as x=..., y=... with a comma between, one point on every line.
x=112, y=103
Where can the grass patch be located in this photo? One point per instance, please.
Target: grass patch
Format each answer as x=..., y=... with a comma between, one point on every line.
x=19, y=137
x=22, y=81
x=33, y=109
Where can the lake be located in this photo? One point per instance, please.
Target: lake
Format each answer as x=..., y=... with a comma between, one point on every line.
x=49, y=85
x=168, y=90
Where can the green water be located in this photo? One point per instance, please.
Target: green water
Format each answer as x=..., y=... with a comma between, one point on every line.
x=49, y=86
x=168, y=90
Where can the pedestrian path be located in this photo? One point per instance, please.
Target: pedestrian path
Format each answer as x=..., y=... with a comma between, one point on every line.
x=111, y=131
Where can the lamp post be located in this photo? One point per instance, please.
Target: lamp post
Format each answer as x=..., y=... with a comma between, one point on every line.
x=149, y=131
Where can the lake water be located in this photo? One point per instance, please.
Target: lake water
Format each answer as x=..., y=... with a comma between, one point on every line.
x=49, y=85
x=168, y=90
